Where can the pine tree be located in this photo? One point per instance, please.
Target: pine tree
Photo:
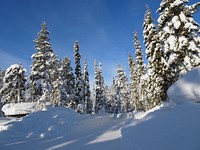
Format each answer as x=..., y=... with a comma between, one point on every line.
x=134, y=102
x=113, y=103
x=87, y=99
x=56, y=82
x=149, y=32
x=124, y=93
x=79, y=85
x=93, y=98
x=141, y=71
x=2, y=73
x=157, y=68
x=99, y=88
x=56, y=93
x=179, y=34
x=68, y=79
x=13, y=89
x=42, y=68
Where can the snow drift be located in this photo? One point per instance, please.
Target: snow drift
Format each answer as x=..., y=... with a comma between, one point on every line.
x=166, y=129
x=13, y=109
x=173, y=127
x=186, y=88
x=42, y=124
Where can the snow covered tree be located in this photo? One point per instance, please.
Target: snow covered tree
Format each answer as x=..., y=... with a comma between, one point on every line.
x=113, y=103
x=68, y=79
x=141, y=71
x=2, y=73
x=43, y=67
x=134, y=102
x=124, y=92
x=99, y=88
x=139, y=56
x=87, y=99
x=79, y=85
x=149, y=33
x=57, y=92
x=56, y=82
x=93, y=97
x=157, y=66
x=13, y=89
x=179, y=34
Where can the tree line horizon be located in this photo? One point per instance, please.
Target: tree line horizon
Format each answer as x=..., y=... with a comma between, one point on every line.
x=172, y=48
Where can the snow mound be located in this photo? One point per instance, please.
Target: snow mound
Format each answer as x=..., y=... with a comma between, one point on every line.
x=62, y=128
x=42, y=124
x=19, y=108
x=174, y=129
x=140, y=115
x=186, y=88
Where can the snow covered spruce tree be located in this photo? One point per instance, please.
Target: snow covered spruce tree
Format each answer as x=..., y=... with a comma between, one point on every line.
x=42, y=73
x=141, y=72
x=124, y=92
x=157, y=67
x=93, y=97
x=100, y=99
x=57, y=92
x=68, y=79
x=87, y=98
x=179, y=34
x=13, y=89
x=134, y=98
x=113, y=103
x=79, y=84
x=2, y=73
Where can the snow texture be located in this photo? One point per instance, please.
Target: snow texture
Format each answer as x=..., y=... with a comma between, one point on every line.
x=186, y=88
x=170, y=126
x=19, y=108
x=61, y=128
x=166, y=129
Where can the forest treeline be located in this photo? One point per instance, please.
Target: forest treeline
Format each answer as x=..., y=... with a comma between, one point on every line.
x=172, y=48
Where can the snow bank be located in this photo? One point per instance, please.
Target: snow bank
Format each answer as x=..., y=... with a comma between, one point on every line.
x=186, y=88
x=43, y=124
x=61, y=128
x=140, y=115
x=172, y=129
x=19, y=108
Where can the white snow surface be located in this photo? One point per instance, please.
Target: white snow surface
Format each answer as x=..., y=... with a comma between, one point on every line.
x=170, y=126
x=175, y=128
x=19, y=108
x=186, y=88
x=61, y=128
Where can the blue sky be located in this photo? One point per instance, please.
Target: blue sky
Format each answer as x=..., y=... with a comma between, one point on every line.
x=104, y=29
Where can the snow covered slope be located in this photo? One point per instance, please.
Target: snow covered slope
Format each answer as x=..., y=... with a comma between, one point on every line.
x=166, y=129
x=173, y=127
x=61, y=128
x=186, y=88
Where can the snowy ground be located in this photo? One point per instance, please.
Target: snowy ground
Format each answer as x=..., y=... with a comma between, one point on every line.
x=166, y=129
x=171, y=126
x=63, y=129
